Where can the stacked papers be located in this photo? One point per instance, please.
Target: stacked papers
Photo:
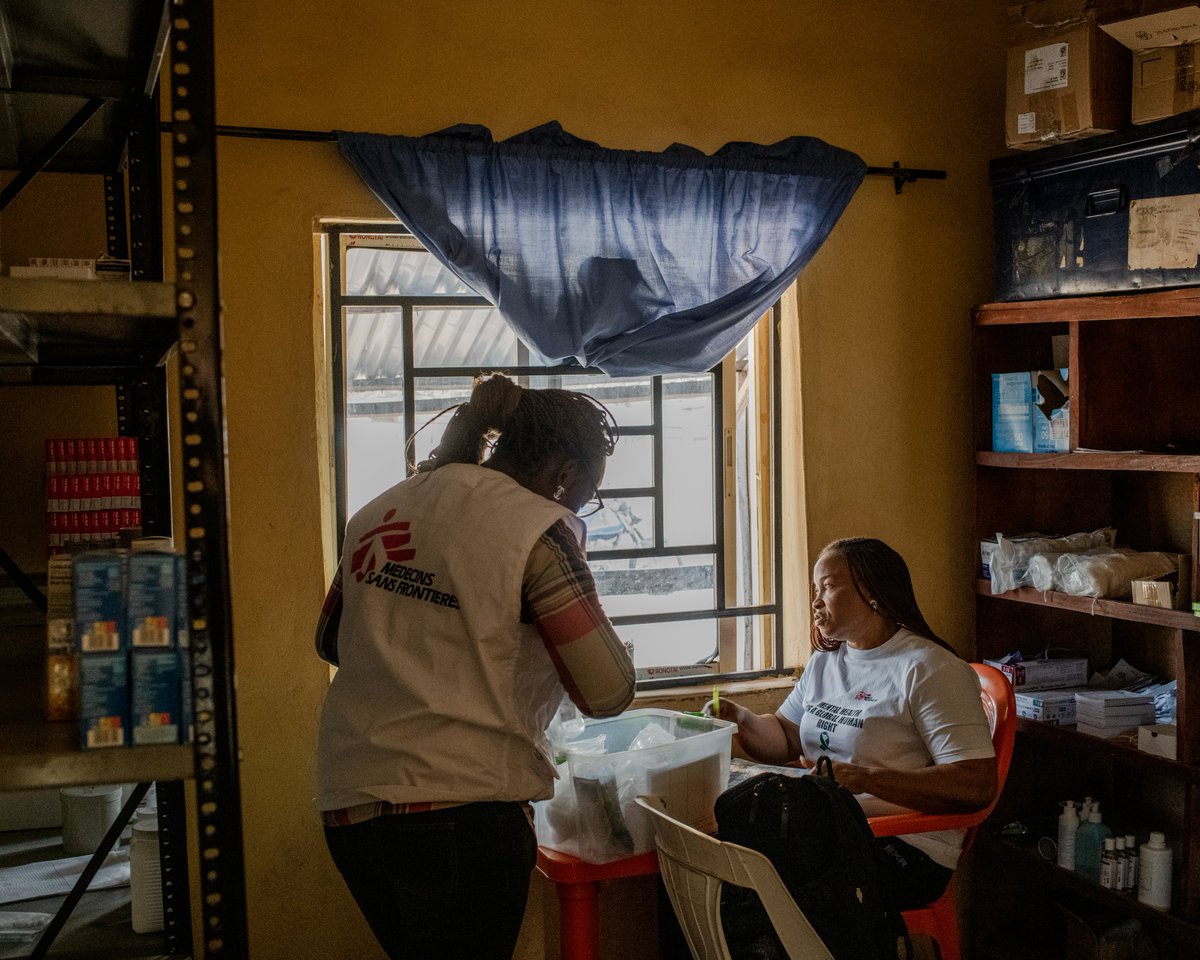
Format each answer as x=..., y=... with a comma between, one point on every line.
x=1112, y=713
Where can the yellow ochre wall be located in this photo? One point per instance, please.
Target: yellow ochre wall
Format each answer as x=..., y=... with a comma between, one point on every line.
x=883, y=308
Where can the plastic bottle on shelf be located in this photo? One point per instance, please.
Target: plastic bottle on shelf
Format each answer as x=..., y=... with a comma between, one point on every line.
x=1089, y=840
x=145, y=877
x=1154, y=869
x=1121, y=870
x=1068, y=824
x=1131, y=875
x=1108, y=864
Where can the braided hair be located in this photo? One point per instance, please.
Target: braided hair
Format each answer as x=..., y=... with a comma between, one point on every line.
x=880, y=575
x=525, y=427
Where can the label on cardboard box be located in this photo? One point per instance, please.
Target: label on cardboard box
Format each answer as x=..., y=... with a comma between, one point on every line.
x=1046, y=67
x=1164, y=232
x=1153, y=593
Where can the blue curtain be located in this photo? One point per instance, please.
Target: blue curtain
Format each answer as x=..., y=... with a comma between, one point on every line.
x=636, y=263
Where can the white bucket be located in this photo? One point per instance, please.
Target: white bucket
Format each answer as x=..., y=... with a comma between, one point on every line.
x=87, y=813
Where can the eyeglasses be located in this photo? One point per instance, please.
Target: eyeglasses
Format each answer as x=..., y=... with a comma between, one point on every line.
x=592, y=507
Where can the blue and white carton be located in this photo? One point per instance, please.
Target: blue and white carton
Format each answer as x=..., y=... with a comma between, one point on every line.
x=154, y=661
x=1051, y=411
x=102, y=640
x=1012, y=424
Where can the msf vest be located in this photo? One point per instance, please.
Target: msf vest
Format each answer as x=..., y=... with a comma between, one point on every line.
x=442, y=693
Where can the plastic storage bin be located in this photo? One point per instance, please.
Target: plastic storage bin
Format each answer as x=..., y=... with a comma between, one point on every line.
x=593, y=815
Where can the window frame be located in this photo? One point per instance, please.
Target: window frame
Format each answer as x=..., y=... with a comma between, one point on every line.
x=724, y=545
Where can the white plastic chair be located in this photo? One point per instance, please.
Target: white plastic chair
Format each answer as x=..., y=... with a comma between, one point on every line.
x=693, y=867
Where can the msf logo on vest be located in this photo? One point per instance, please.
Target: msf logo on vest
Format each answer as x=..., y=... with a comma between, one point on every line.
x=387, y=542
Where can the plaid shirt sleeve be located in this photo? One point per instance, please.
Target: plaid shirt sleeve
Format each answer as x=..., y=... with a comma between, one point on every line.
x=559, y=597
x=329, y=620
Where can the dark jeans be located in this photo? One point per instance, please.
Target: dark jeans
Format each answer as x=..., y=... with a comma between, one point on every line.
x=442, y=885
x=915, y=881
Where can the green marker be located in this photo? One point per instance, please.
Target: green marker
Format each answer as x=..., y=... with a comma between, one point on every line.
x=716, y=701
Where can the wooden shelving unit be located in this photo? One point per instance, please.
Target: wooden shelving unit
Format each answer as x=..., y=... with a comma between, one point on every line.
x=1134, y=386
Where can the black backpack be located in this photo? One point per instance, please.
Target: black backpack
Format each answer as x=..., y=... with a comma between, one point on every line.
x=815, y=833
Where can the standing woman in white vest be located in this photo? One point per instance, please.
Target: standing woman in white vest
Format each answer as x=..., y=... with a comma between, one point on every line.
x=462, y=610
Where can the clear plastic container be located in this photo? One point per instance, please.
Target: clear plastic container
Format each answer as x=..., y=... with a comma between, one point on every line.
x=593, y=814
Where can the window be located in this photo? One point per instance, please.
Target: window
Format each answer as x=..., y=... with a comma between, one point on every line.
x=686, y=550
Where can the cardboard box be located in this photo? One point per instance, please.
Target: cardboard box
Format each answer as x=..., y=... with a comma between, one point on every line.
x=1063, y=87
x=1051, y=411
x=1044, y=674
x=1158, y=739
x=156, y=706
x=98, y=581
x=1031, y=411
x=151, y=599
x=62, y=655
x=1012, y=425
x=1096, y=933
x=1171, y=591
x=1036, y=20
x=103, y=700
x=1159, y=592
x=1056, y=707
x=1164, y=82
x=1165, y=46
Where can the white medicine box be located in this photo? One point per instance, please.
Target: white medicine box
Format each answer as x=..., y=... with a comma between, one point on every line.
x=1044, y=674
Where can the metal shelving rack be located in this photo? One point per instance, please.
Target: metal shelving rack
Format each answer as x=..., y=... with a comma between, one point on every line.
x=112, y=332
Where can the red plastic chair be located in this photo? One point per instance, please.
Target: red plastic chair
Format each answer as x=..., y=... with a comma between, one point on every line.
x=940, y=918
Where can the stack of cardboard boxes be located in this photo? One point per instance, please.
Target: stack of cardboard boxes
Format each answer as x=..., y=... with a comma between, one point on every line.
x=1076, y=68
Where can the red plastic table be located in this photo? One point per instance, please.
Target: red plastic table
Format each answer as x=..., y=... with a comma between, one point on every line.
x=578, y=886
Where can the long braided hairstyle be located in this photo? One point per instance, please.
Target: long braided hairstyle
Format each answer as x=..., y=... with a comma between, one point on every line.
x=880, y=574
x=525, y=427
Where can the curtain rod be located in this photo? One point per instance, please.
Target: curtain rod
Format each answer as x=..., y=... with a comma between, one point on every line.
x=900, y=175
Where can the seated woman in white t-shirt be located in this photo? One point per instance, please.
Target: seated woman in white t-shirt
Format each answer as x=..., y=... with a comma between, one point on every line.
x=894, y=707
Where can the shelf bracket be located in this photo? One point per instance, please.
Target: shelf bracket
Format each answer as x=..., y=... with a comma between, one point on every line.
x=902, y=175
x=21, y=579
x=50, y=151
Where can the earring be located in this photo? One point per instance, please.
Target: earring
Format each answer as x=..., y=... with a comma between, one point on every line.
x=559, y=491
x=874, y=606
